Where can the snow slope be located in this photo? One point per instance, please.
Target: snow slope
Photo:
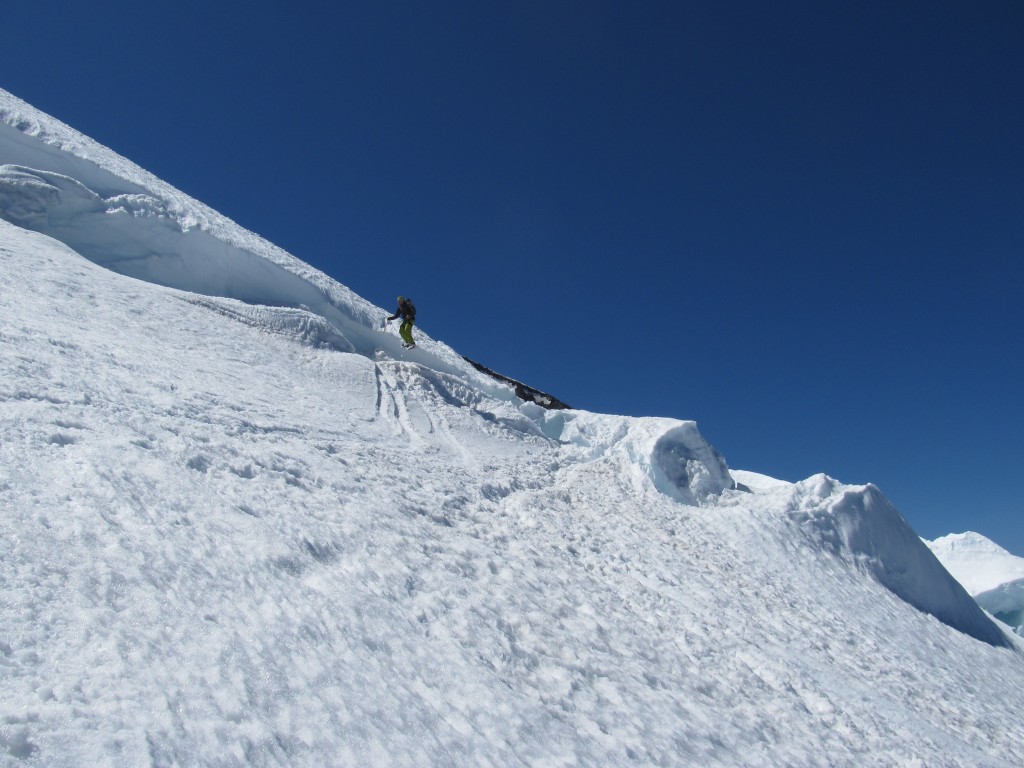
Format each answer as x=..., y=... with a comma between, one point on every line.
x=242, y=526
x=994, y=576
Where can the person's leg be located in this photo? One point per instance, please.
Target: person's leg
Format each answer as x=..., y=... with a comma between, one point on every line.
x=405, y=331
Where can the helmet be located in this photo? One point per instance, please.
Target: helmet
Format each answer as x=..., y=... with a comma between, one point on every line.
x=401, y=299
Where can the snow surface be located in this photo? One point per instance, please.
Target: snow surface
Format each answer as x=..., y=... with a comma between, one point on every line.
x=240, y=525
x=994, y=576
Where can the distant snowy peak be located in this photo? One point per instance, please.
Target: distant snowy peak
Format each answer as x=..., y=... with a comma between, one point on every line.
x=992, y=575
x=977, y=562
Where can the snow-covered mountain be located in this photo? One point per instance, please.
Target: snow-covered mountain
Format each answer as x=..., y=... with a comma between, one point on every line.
x=992, y=575
x=241, y=525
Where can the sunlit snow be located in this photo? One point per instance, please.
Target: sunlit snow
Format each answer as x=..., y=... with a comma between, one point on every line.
x=240, y=525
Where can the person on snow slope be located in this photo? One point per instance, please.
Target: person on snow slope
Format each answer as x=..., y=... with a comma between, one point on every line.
x=407, y=312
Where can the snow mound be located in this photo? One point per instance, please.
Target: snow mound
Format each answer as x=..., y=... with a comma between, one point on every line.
x=671, y=455
x=861, y=526
x=684, y=466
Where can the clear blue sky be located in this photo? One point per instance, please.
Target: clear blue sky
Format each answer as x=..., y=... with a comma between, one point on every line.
x=799, y=223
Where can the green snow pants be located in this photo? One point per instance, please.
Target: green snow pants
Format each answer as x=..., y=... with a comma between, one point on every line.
x=405, y=331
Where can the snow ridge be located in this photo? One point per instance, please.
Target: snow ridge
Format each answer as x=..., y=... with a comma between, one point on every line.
x=862, y=526
x=58, y=182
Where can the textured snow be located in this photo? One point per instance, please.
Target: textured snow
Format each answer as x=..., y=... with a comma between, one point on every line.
x=241, y=526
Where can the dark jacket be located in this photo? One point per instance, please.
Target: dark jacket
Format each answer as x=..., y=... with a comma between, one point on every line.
x=406, y=310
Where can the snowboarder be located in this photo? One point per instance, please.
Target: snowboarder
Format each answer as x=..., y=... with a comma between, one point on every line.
x=407, y=312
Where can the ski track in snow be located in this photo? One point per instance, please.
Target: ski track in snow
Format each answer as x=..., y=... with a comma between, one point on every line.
x=226, y=541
